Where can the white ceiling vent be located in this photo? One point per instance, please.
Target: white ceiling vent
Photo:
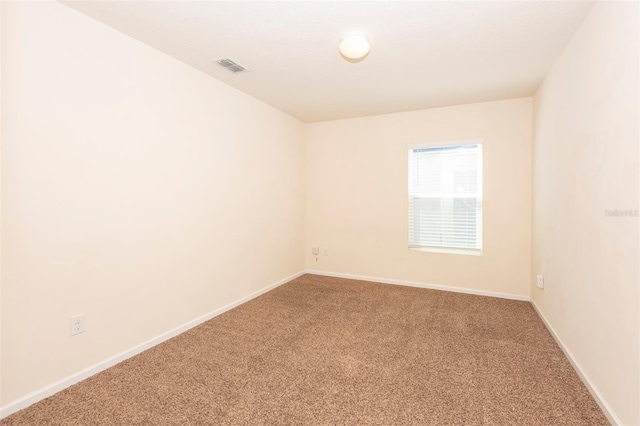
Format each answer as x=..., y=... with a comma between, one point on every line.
x=231, y=65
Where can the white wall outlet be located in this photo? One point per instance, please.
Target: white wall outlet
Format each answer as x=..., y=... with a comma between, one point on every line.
x=315, y=250
x=325, y=251
x=540, y=281
x=77, y=324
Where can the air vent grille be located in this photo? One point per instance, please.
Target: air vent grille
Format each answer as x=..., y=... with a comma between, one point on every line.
x=231, y=65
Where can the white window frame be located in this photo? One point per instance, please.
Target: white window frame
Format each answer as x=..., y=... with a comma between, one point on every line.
x=451, y=250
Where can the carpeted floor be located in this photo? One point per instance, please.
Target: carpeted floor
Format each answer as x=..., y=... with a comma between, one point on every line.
x=322, y=350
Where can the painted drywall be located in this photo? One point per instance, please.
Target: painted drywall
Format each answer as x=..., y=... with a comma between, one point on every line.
x=585, y=163
x=136, y=190
x=357, y=204
x=0, y=199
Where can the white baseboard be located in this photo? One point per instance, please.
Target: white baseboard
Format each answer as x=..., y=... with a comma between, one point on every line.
x=423, y=285
x=606, y=408
x=56, y=387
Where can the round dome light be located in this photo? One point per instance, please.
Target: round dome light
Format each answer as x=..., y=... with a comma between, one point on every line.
x=354, y=46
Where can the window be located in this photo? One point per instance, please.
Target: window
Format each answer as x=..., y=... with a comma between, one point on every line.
x=445, y=198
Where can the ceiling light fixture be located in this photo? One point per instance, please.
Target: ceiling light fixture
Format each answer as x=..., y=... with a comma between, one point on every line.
x=354, y=47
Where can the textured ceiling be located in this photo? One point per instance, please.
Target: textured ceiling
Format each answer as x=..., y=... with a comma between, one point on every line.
x=423, y=54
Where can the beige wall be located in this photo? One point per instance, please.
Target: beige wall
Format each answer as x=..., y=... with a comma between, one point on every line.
x=586, y=161
x=135, y=189
x=1, y=2
x=357, y=196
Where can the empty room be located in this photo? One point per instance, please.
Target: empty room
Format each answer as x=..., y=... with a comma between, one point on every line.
x=319, y=212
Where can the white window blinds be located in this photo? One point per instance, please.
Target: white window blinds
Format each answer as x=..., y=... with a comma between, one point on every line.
x=445, y=197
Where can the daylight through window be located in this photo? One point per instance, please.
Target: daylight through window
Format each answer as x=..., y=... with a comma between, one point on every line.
x=445, y=197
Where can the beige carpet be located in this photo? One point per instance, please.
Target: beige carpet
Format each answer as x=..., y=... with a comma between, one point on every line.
x=332, y=351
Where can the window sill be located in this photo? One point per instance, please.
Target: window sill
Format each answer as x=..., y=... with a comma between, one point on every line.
x=468, y=252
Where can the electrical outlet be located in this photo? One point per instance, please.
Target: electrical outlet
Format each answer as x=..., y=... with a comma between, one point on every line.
x=540, y=281
x=77, y=324
x=325, y=251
